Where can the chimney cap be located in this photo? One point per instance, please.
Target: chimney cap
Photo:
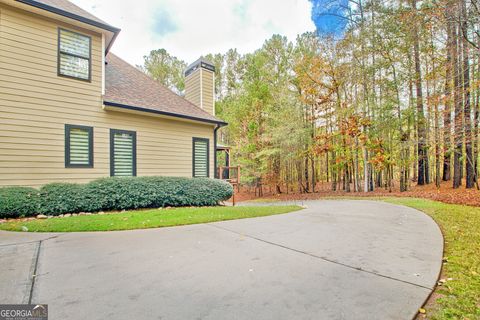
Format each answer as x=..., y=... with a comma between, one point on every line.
x=200, y=63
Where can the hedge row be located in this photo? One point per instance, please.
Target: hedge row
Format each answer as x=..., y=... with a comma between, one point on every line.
x=112, y=194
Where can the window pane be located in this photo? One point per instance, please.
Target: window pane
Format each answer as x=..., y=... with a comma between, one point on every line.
x=79, y=147
x=74, y=43
x=123, y=154
x=200, y=158
x=74, y=66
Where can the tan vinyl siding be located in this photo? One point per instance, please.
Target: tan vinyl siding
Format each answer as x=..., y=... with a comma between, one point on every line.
x=199, y=86
x=35, y=105
x=192, y=88
x=207, y=94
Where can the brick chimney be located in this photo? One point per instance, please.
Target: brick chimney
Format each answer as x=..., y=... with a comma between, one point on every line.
x=200, y=85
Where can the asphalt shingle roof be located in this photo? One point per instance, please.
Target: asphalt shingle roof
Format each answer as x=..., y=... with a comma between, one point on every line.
x=68, y=7
x=128, y=86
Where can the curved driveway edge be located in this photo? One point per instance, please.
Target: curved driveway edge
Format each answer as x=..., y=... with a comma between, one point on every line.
x=334, y=260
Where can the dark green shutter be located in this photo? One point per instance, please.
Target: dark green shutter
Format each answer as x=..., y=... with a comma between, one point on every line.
x=200, y=157
x=123, y=158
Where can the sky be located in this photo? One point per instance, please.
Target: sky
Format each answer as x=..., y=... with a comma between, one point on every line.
x=328, y=16
x=189, y=29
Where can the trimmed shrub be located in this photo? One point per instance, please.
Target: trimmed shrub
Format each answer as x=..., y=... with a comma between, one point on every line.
x=113, y=193
x=202, y=192
x=117, y=193
x=153, y=192
x=18, y=202
x=59, y=198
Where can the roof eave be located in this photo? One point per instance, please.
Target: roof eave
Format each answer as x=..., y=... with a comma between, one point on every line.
x=76, y=17
x=110, y=44
x=165, y=113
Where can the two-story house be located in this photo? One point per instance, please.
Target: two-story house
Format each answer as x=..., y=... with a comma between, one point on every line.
x=72, y=111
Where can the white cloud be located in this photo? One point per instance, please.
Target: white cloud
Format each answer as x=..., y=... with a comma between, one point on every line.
x=191, y=28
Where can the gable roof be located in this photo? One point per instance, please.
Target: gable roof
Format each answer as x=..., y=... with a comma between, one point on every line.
x=68, y=9
x=129, y=88
x=126, y=86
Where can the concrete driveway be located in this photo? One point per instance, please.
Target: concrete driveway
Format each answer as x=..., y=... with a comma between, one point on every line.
x=334, y=260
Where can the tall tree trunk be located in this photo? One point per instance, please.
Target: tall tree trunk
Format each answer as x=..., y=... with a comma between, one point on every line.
x=366, y=175
x=334, y=173
x=476, y=120
x=437, y=148
x=365, y=169
x=371, y=181
x=403, y=136
x=457, y=99
x=299, y=176
x=356, y=167
x=327, y=166
x=412, y=127
x=469, y=167
x=346, y=178
x=276, y=172
x=378, y=179
x=305, y=172
x=313, y=158
x=447, y=116
x=408, y=151
x=423, y=167
x=313, y=174
x=436, y=116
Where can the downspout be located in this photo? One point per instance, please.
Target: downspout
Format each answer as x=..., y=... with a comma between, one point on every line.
x=215, y=150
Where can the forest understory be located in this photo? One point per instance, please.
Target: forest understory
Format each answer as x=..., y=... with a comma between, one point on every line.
x=445, y=193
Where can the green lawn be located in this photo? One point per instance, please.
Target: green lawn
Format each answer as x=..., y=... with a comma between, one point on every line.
x=142, y=219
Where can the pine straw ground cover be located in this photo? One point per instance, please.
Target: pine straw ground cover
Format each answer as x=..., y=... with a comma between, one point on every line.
x=444, y=194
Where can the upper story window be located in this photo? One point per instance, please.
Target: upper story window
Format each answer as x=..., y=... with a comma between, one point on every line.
x=74, y=55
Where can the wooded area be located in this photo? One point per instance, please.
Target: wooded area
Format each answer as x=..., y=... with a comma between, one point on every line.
x=392, y=103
